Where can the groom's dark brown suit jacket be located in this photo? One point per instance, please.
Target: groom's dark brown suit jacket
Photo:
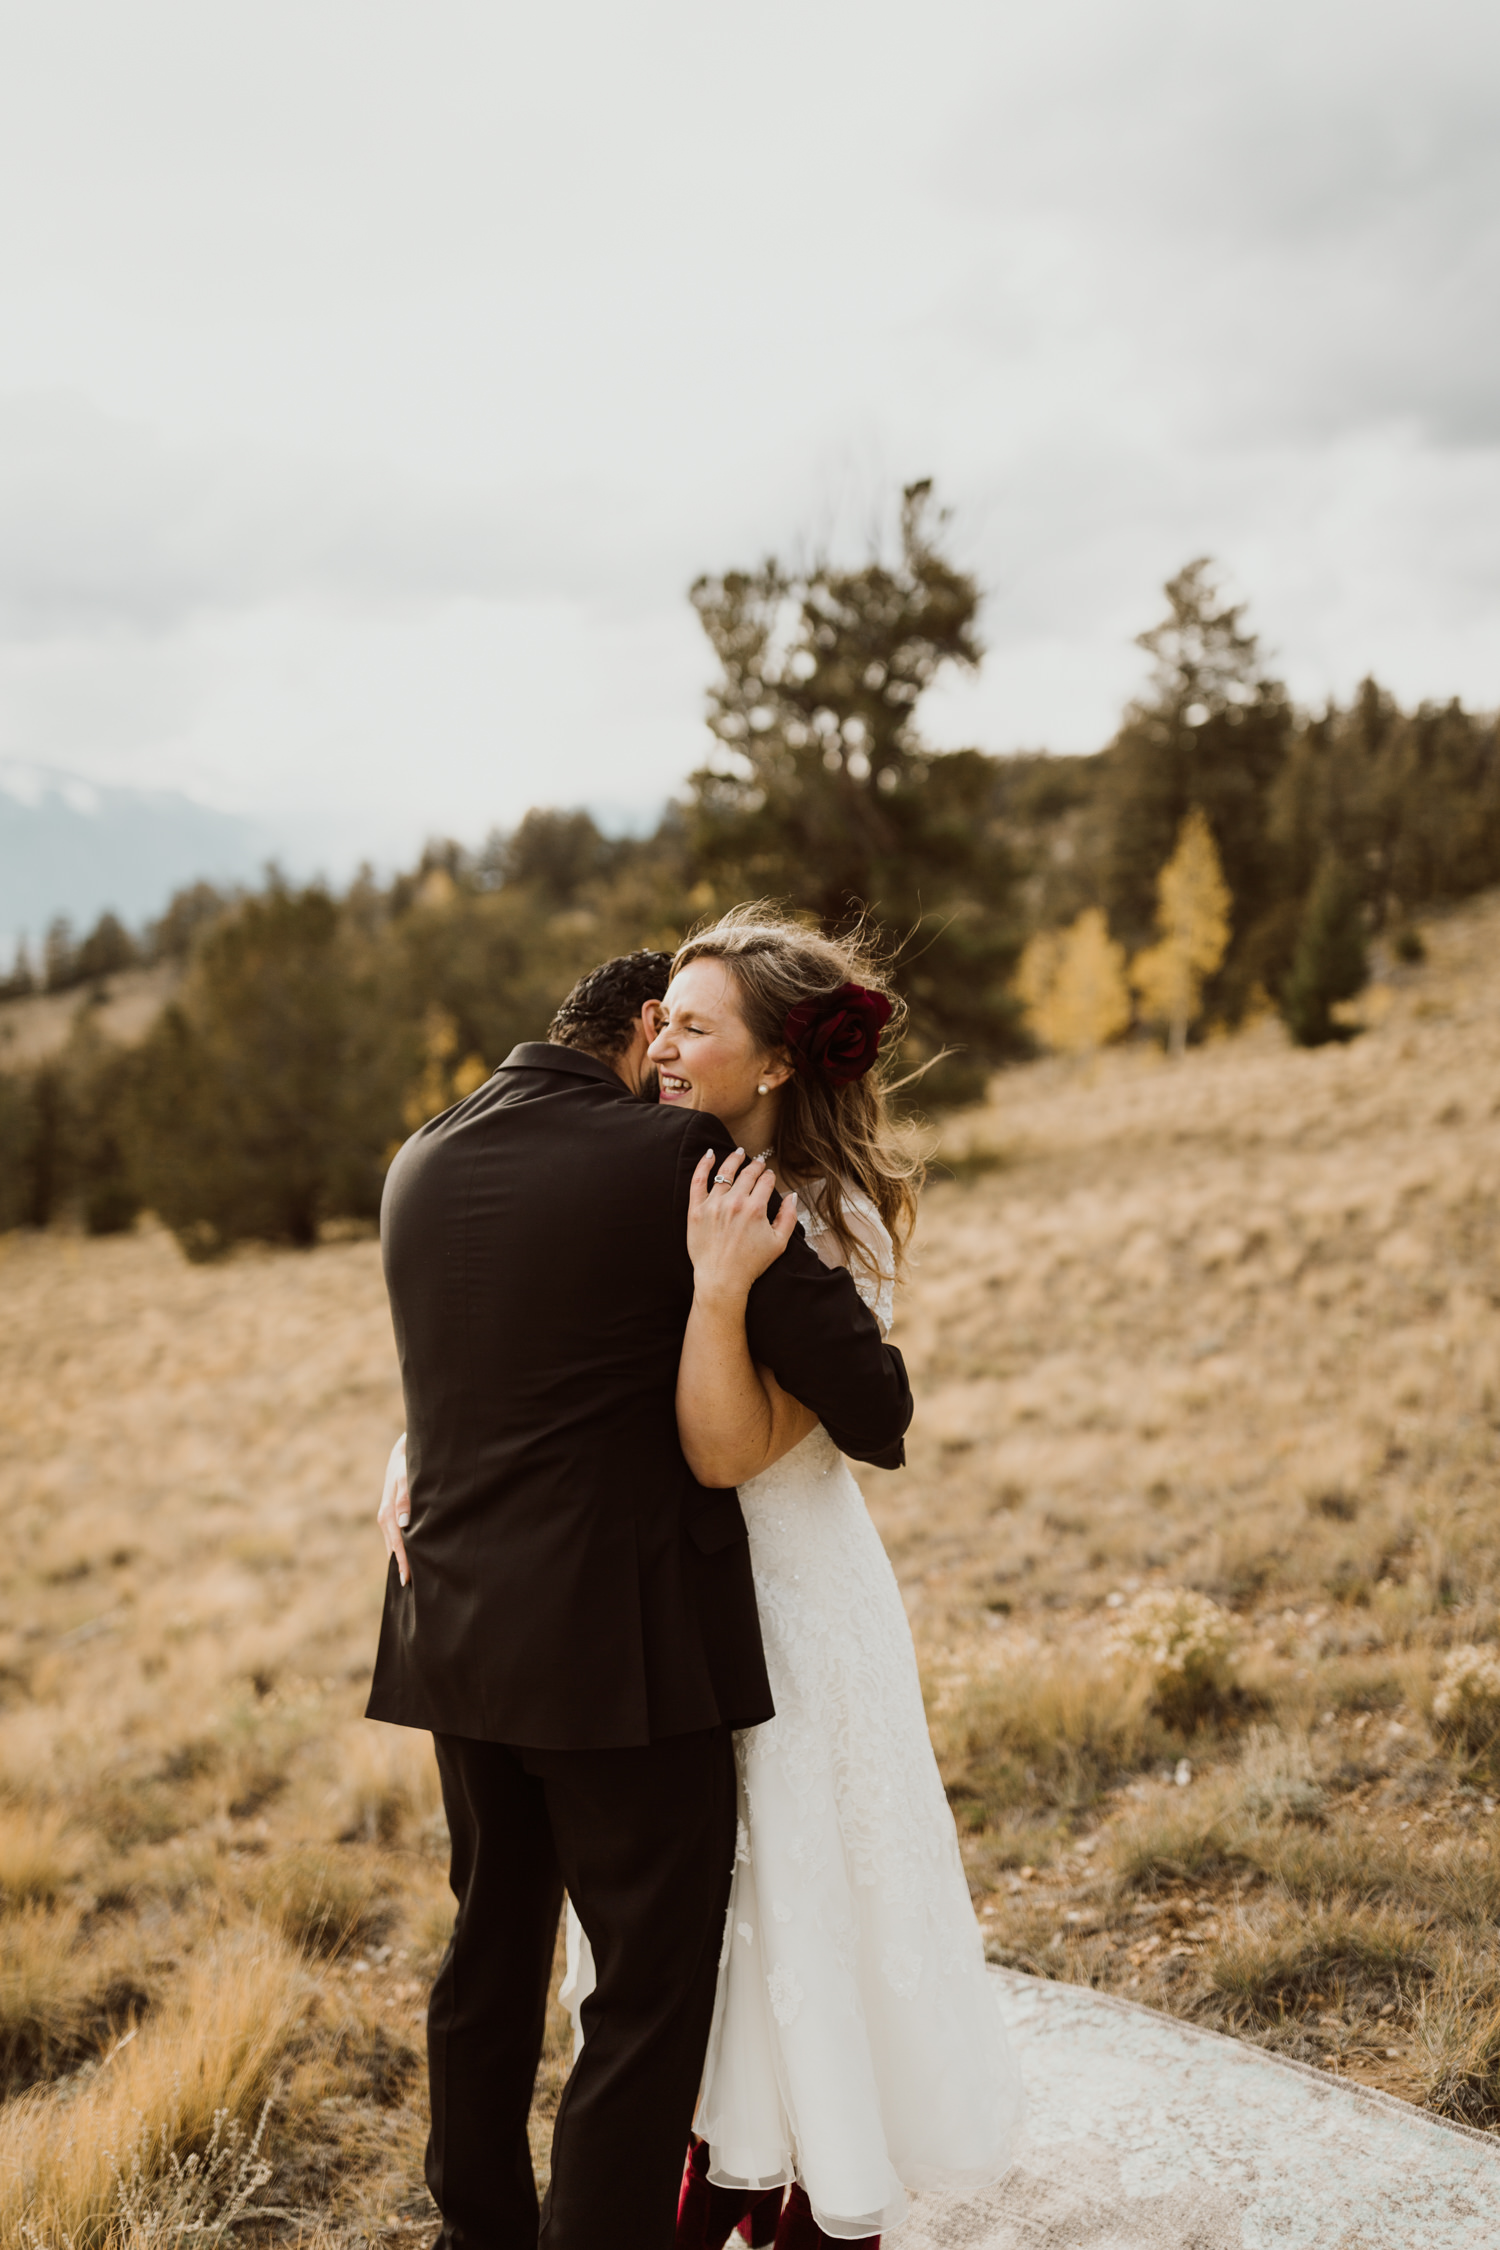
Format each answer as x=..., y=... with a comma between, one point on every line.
x=572, y=1585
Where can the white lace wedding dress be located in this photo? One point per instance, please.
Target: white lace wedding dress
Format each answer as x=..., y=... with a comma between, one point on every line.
x=856, y=2044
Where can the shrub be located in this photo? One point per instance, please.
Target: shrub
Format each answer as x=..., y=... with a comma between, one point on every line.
x=1185, y=1644
x=1467, y=1704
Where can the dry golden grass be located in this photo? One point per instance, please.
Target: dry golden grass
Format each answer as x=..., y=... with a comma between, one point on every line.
x=39, y=1855
x=215, y=2044
x=205, y=1851
x=1229, y=1325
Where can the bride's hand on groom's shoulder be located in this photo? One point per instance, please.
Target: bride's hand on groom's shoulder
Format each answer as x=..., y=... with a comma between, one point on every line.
x=731, y=1240
x=394, y=1512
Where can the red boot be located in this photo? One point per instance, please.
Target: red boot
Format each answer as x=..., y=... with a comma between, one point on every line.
x=799, y=2230
x=707, y=2215
x=758, y=2226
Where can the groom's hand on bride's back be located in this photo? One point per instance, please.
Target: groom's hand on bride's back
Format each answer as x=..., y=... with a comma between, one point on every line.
x=394, y=1513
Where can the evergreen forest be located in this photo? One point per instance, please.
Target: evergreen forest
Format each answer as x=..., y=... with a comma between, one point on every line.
x=1225, y=855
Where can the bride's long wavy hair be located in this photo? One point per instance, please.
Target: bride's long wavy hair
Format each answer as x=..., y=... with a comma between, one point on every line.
x=830, y=1136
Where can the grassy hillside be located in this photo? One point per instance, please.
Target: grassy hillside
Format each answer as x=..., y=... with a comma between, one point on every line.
x=35, y=1028
x=1227, y=1326
x=1234, y=1326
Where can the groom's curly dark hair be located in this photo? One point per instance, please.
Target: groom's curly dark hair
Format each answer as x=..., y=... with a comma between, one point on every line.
x=600, y=1012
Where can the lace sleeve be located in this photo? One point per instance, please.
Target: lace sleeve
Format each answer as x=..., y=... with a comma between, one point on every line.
x=874, y=1274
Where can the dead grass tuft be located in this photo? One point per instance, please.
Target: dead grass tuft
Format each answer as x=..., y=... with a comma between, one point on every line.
x=388, y=1785
x=162, y=2196
x=1277, y=1779
x=1043, y=1732
x=1333, y=1956
x=61, y=1996
x=1459, y=2032
x=214, y=2047
x=322, y=1902
x=1180, y=1841
x=40, y=1855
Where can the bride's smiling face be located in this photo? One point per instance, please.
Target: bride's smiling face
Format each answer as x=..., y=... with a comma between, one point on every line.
x=704, y=1054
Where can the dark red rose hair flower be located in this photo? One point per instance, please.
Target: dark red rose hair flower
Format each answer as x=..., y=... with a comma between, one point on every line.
x=837, y=1033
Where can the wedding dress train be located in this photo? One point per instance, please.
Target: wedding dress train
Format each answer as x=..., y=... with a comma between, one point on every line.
x=856, y=2043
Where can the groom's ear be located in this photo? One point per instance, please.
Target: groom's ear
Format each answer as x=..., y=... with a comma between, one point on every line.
x=638, y=1074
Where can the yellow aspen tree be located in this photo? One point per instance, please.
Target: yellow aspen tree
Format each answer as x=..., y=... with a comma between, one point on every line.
x=1074, y=987
x=1192, y=915
x=443, y=1081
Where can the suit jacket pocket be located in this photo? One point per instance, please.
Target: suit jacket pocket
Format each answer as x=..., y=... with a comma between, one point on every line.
x=718, y=1523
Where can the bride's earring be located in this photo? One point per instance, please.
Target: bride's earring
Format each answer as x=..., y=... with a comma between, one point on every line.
x=762, y=1089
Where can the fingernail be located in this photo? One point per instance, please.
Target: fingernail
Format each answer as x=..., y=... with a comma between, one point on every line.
x=402, y=1575
x=403, y=1521
x=791, y=1199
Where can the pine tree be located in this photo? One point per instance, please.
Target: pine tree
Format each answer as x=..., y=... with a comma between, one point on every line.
x=21, y=981
x=267, y=1091
x=59, y=955
x=29, y=1134
x=814, y=792
x=1330, y=963
x=108, y=947
x=824, y=794
x=1192, y=916
x=96, y=1173
x=1074, y=987
x=1213, y=731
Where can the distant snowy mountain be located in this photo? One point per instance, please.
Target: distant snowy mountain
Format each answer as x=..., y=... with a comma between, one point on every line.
x=68, y=846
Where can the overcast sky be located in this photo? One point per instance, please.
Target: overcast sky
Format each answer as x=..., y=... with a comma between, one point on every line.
x=375, y=375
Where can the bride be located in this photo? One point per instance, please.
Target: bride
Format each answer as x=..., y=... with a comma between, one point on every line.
x=856, y=2050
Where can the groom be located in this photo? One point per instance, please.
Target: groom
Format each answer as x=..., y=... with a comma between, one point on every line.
x=578, y=1628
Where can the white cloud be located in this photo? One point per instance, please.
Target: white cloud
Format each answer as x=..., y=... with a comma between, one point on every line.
x=1290, y=226
x=374, y=379
x=107, y=525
